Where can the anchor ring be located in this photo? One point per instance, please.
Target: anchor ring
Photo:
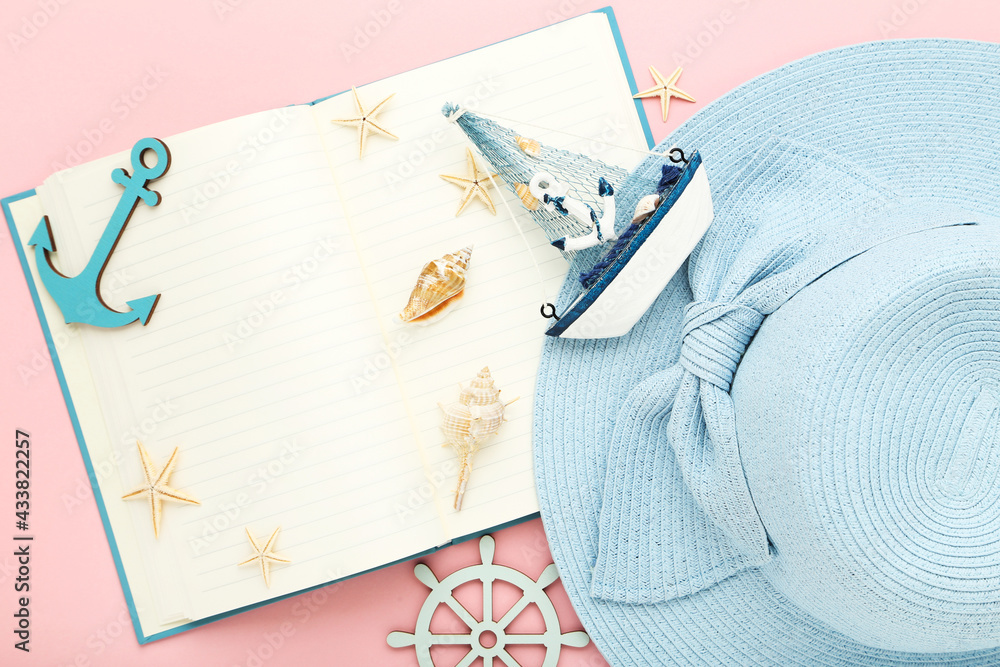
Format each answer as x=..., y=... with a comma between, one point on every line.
x=140, y=168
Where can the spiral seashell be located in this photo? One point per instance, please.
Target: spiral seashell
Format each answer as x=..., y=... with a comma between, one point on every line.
x=475, y=416
x=529, y=146
x=486, y=419
x=645, y=207
x=529, y=200
x=480, y=391
x=456, y=422
x=439, y=286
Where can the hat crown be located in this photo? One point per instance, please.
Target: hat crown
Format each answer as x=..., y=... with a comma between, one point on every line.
x=868, y=415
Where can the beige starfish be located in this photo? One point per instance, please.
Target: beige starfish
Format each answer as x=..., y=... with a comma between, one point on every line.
x=475, y=184
x=155, y=489
x=365, y=121
x=264, y=555
x=665, y=89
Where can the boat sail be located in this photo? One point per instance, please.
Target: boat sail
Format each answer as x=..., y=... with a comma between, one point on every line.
x=624, y=260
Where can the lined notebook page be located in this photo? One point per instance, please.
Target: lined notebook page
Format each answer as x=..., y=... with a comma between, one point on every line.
x=566, y=77
x=244, y=367
x=273, y=360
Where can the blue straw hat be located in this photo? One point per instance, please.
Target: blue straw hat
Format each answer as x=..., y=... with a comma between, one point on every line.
x=794, y=457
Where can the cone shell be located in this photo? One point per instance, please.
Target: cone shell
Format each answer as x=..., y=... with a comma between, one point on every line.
x=439, y=285
x=529, y=146
x=645, y=207
x=529, y=200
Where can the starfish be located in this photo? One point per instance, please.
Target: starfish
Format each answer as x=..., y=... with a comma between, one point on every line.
x=664, y=89
x=365, y=121
x=472, y=184
x=264, y=555
x=155, y=489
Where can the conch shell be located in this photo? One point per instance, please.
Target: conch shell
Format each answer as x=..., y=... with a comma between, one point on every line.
x=529, y=200
x=477, y=415
x=529, y=146
x=439, y=286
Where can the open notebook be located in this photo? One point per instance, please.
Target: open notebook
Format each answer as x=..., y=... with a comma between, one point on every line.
x=274, y=360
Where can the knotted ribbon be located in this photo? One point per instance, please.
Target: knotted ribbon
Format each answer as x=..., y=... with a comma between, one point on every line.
x=677, y=514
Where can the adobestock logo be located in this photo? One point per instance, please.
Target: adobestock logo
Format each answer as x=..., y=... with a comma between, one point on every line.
x=901, y=14
x=710, y=31
x=364, y=34
x=121, y=108
x=34, y=23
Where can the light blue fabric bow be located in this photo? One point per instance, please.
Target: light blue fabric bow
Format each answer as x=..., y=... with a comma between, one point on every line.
x=674, y=451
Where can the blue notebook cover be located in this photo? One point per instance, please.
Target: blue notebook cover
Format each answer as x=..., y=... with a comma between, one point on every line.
x=21, y=251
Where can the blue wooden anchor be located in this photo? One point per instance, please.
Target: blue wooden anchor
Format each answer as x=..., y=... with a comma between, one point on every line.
x=79, y=298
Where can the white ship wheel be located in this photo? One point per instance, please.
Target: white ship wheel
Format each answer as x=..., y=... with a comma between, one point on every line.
x=482, y=634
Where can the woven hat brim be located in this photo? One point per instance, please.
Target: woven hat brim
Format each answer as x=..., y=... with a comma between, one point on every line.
x=923, y=116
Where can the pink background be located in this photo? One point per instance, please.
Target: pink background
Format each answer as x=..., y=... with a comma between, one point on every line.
x=76, y=79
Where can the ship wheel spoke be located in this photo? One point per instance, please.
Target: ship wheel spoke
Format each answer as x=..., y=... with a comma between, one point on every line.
x=450, y=639
x=461, y=611
x=488, y=600
x=508, y=659
x=525, y=639
x=469, y=658
x=514, y=611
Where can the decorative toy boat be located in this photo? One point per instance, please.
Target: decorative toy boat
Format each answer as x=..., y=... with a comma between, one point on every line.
x=572, y=197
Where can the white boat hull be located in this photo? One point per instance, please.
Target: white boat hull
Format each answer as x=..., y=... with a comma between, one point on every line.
x=626, y=290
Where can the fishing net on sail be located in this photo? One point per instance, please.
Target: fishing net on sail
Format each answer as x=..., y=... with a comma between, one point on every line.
x=517, y=159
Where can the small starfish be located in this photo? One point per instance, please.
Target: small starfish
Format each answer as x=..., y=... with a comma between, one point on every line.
x=366, y=121
x=472, y=184
x=155, y=489
x=664, y=89
x=264, y=555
